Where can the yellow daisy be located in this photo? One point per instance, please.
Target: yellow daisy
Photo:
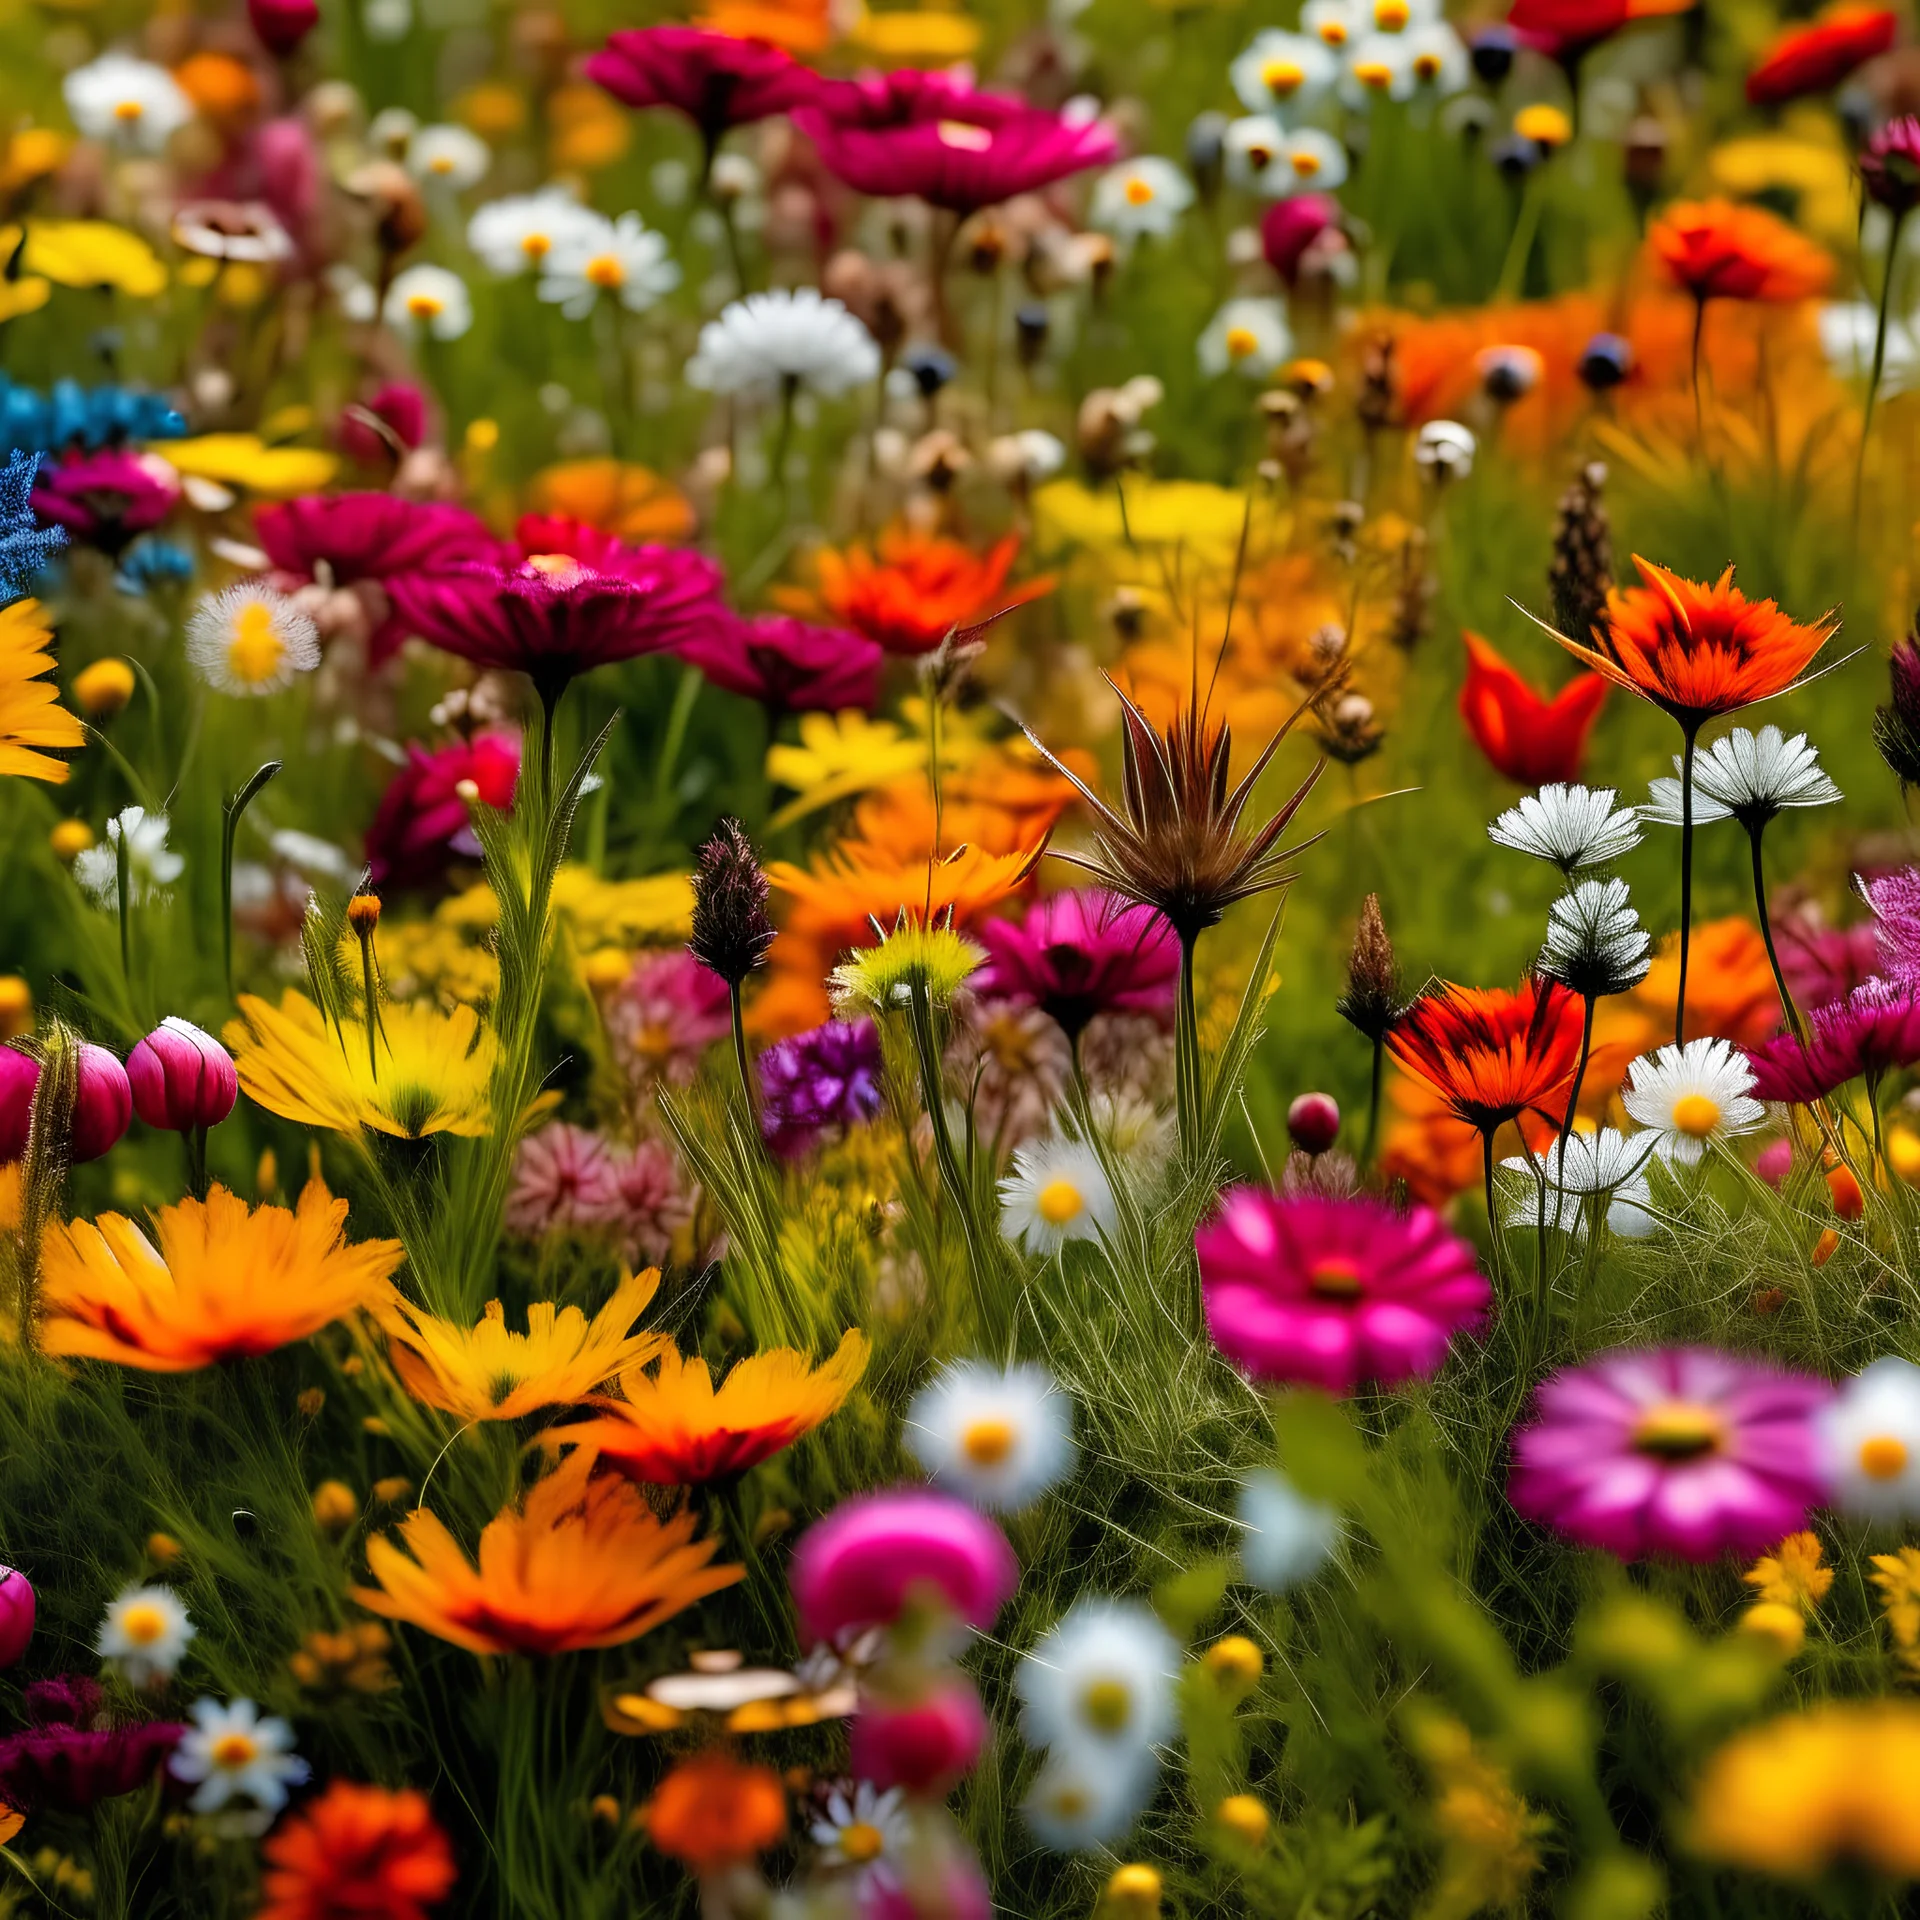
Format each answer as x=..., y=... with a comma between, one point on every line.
x=31, y=719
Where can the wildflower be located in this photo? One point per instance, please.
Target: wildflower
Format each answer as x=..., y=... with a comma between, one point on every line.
x=1529, y=737
x=1896, y=725
x=359, y=1850
x=1692, y=1095
x=1100, y=1683
x=282, y=24
x=1079, y=954
x=1491, y=1055
x=713, y=1812
x=1580, y=1169
x=1749, y=777
x=1791, y=1575
x=562, y=1178
x=866, y=1831
x=776, y=343
x=26, y=547
x=578, y=1563
x=428, y=300
x=819, y=1082
x=649, y=1208
x=1717, y=250
x=430, y=1074
x=674, y=1428
x=1281, y=71
x=1288, y=1538
x=17, y=1609
x=716, y=80
x=1140, y=197
x=593, y=256
x=1870, y=1440
x=181, y=1078
x=1134, y=1890
x=1250, y=152
x=1572, y=827
x=1890, y=165
x=1300, y=232
x=65, y=1762
x=1443, y=450
x=34, y=727
x=934, y=962
x=490, y=1372
x=249, y=640
x=102, y=1102
x=145, y=1634
x=106, y=499
x=1816, y=55
x=422, y=823
x=449, y=156
x=664, y=1016
x=1595, y=943
x=126, y=102
x=523, y=231
x=999, y=1437
x=1676, y=1450
x=1334, y=1292
x=1247, y=336
x=1056, y=1192
x=788, y=665
x=1076, y=1803
x=873, y=1554
x=231, y=1750
x=1245, y=1817
x=731, y=931
x=1874, y=1030
x=924, y=1743
x=152, y=867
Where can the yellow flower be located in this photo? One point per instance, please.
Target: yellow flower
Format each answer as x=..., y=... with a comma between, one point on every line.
x=69, y=839
x=930, y=34
x=432, y=957
x=595, y=913
x=33, y=724
x=1489, y=1834
x=881, y=979
x=489, y=1372
x=89, y=253
x=245, y=460
x=1777, y=1625
x=28, y=294
x=838, y=755
x=1791, y=1575
x=589, y=130
x=1814, y=1789
x=31, y=154
x=433, y=1067
x=1897, y=1575
x=104, y=687
x=1205, y=519
x=1805, y=158
x=1545, y=125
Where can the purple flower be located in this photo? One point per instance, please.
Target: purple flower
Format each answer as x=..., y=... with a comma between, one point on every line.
x=1873, y=1030
x=68, y=1767
x=825, y=1079
x=1079, y=954
x=17, y=1608
x=106, y=499
x=1824, y=963
x=788, y=665
x=1895, y=900
x=1677, y=1450
x=1793, y=1072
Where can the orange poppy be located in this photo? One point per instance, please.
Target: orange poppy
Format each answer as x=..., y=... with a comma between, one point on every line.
x=1698, y=651
x=628, y=501
x=356, y=1850
x=801, y=26
x=1719, y=251
x=1492, y=1055
x=580, y=1563
x=1525, y=735
x=918, y=589
x=712, y=1812
x=1813, y=55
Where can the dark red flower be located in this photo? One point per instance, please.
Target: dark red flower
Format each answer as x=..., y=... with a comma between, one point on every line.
x=1813, y=56
x=422, y=824
x=399, y=407
x=1528, y=737
x=64, y=1767
x=105, y=499
x=716, y=80
x=1563, y=27
x=283, y=24
x=788, y=665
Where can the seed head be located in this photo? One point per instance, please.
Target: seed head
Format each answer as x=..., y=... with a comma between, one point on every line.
x=731, y=931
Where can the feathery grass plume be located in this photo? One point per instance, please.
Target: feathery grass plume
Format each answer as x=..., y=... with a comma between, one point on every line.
x=731, y=931
x=1371, y=1001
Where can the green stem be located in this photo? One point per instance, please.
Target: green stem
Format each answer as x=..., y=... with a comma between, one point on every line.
x=1189, y=1091
x=235, y=807
x=1899, y=216
x=741, y=1059
x=1686, y=881
x=1794, y=1019
x=1579, y=1078
x=953, y=1178
x=1373, y=1099
x=123, y=896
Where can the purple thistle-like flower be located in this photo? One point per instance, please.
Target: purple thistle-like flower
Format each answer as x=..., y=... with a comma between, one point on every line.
x=1895, y=900
x=1873, y=1030
x=1792, y=1071
x=823, y=1080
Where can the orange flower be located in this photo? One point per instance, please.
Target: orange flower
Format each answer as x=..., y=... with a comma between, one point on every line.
x=673, y=1429
x=1719, y=251
x=1528, y=737
x=1698, y=651
x=917, y=591
x=223, y=1283
x=712, y=1812
x=801, y=26
x=1489, y=1054
x=226, y=90
x=627, y=501
x=1730, y=989
x=579, y=1564
x=357, y=1850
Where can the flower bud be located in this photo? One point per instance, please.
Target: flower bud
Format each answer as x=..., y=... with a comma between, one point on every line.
x=103, y=688
x=16, y=1615
x=731, y=931
x=1290, y=227
x=1134, y=1890
x=924, y=1747
x=182, y=1078
x=282, y=24
x=1245, y=1817
x=1313, y=1122
x=101, y=1107
x=69, y=839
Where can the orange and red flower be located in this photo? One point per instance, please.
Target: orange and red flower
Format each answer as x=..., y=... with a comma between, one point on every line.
x=1719, y=251
x=1492, y=1055
x=712, y=1812
x=357, y=1850
x=1528, y=737
x=1814, y=55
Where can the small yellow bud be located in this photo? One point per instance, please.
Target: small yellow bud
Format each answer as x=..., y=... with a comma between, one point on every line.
x=16, y=1006
x=69, y=839
x=391, y=1491
x=482, y=435
x=1782, y=1628
x=1134, y=1890
x=103, y=688
x=606, y=969
x=1244, y=1817
x=1236, y=1664
x=163, y=1549
x=310, y=1401
x=335, y=1507
x=266, y=1175
x=605, y=1808
x=373, y=1423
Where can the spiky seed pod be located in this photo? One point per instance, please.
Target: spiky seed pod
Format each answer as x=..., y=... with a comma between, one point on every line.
x=1581, y=573
x=1413, y=594
x=1379, y=382
x=731, y=931
x=1371, y=1002
x=1896, y=726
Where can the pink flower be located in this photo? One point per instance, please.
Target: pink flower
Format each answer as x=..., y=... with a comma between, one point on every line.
x=541, y=536
x=923, y=1745
x=946, y=1886
x=952, y=144
x=1824, y=963
x=1875, y=1029
x=666, y=1013
x=1676, y=1450
x=283, y=24
x=714, y=79
x=1895, y=900
x=422, y=823
x=788, y=665
x=562, y=1179
x=105, y=499
x=1330, y=1292
x=182, y=1078
x=645, y=1204
x=868, y=1558
x=401, y=408
x=17, y=1609
x=1079, y=954
x=1290, y=227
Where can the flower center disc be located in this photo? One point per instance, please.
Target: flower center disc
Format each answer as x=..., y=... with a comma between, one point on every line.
x=1334, y=1278
x=1882, y=1457
x=1678, y=1431
x=1058, y=1203
x=142, y=1625
x=1697, y=1114
x=1108, y=1705
x=862, y=1841
x=987, y=1442
x=234, y=1750
x=255, y=653
x=1139, y=192
x=1282, y=77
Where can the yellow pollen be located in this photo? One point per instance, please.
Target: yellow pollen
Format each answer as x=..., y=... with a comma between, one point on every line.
x=987, y=1442
x=1678, y=1430
x=1108, y=1705
x=1241, y=343
x=965, y=135
x=862, y=1841
x=1697, y=1114
x=256, y=652
x=128, y=110
x=1391, y=15
x=1334, y=32
x=234, y=1750
x=605, y=270
x=1069, y=1802
x=143, y=1625
x=1373, y=73
x=1334, y=1278
x=536, y=246
x=1306, y=163
x=1882, y=1457
x=1059, y=1203
x=1139, y=192
x=440, y=163
x=1283, y=77
x=424, y=306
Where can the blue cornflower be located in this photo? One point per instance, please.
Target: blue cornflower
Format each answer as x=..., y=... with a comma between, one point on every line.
x=25, y=545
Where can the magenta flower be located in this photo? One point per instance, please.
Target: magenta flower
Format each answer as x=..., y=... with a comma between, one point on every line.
x=400, y=408
x=820, y=1082
x=283, y=24
x=182, y=1078
x=1330, y=1292
x=1890, y=165
x=17, y=1608
x=63, y=1768
x=422, y=824
x=788, y=665
x=862, y=1564
x=1824, y=963
x=1677, y=1450
x=540, y=537
x=952, y=144
x=923, y=1744
x=106, y=499
x=562, y=1179
x=715, y=80
x=1079, y=954
x=1794, y=1072
x=1873, y=1030
x=1289, y=228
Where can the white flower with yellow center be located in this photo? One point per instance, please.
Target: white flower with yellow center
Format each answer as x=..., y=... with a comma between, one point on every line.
x=1101, y=1683
x=1248, y=336
x=1056, y=1191
x=1379, y=67
x=999, y=1437
x=145, y=1634
x=1693, y=1095
x=250, y=640
x=520, y=233
x=624, y=260
x=781, y=342
x=448, y=157
x=231, y=1751
x=1870, y=1440
x=1077, y=1803
x=866, y=1832
x=1250, y=152
x=430, y=301
x=130, y=102
x=1438, y=59
x=1143, y=196
x=1397, y=16
x=1310, y=162
x=1334, y=23
x=1283, y=71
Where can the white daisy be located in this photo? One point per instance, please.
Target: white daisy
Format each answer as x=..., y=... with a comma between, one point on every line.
x=1250, y=150
x=1749, y=777
x=1310, y=162
x=391, y=131
x=1379, y=67
x=248, y=639
x=1143, y=196
x=1078, y=1802
x=1101, y=1682
x=1398, y=16
x=771, y=341
x=151, y=866
x=998, y=1437
x=622, y=257
x=428, y=300
x=1605, y=1163
x=1289, y=1538
x=867, y=1832
x=1056, y=1191
x=1595, y=943
x=1443, y=451
x=1438, y=59
x=449, y=157
x=1247, y=336
x=144, y=1634
x=1281, y=71
x=1334, y=23
x=231, y=1750
x=132, y=103
x=1571, y=827
x=1870, y=1438
x=523, y=230
x=1691, y=1095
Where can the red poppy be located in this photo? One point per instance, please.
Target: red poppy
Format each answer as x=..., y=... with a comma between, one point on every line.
x=1559, y=26
x=1528, y=737
x=1492, y=1055
x=1819, y=54
x=1719, y=251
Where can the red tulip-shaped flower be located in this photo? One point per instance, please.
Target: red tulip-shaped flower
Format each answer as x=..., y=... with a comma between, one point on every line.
x=1528, y=737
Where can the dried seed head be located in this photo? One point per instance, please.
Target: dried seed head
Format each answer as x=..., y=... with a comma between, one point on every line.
x=731, y=931
x=1371, y=1002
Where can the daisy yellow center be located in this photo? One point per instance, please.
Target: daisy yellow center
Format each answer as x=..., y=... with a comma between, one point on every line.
x=1306, y=163
x=1139, y=192
x=1697, y=1114
x=1334, y=32
x=255, y=652
x=425, y=306
x=1107, y=1705
x=234, y=1750
x=965, y=135
x=128, y=110
x=440, y=163
x=987, y=1442
x=1069, y=1802
x=1678, y=1430
x=861, y=1841
x=1391, y=15
x=536, y=246
x=1426, y=66
x=1334, y=1278
x=1373, y=73
x=1283, y=77
x=1241, y=341
x=604, y=270
x=143, y=1625
x=1059, y=1202
x=1882, y=1457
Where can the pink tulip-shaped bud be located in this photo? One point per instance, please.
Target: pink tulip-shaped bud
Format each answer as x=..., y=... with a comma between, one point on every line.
x=182, y=1078
x=19, y=1075
x=282, y=24
x=16, y=1615
x=925, y=1745
x=102, y=1105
